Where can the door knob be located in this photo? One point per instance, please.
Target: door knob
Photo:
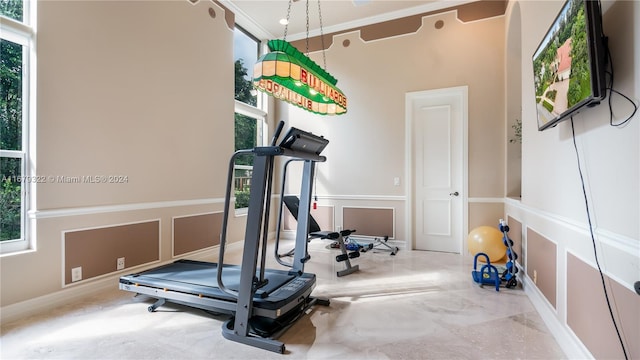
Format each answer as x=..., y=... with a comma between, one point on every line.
x=454, y=194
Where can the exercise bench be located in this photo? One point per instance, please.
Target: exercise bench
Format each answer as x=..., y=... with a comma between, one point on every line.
x=292, y=203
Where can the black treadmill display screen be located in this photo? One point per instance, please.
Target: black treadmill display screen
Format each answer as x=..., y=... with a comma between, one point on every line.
x=300, y=140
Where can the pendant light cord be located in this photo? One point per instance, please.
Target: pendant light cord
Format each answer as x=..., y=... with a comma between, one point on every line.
x=307, y=38
x=286, y=29
x=324, y=56
x=286, y=26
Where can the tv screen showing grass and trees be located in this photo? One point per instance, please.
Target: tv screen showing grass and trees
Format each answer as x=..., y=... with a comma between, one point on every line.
x=561, y=64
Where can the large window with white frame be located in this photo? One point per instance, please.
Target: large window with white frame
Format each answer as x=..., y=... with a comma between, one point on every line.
x=250, y=116
x=17, y=57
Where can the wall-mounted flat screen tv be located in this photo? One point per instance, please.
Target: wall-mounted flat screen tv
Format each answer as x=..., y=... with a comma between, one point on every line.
x=569, y=63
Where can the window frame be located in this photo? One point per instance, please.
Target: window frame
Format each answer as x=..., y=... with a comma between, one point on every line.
x=23, y=33
x=258, y=112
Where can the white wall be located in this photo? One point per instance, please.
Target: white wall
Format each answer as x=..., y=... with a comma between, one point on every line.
x=550, y=178
x=367, y=145
x=142, y=89
x=552, y=201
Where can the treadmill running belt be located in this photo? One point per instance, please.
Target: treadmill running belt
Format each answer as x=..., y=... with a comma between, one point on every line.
x=197, y=277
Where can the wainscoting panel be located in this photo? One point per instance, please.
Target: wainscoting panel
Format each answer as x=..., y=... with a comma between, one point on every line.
x=96, y=250
x=586, y=296
x=369, y=221
x=324, y=216
x=560, y=251
x=196, y=232
x=542, y=264
x=515, y=234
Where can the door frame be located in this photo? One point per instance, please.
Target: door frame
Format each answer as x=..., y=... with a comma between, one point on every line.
x=463, y=92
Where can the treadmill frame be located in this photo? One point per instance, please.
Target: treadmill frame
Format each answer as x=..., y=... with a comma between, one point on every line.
x=209, y=303
x=238, y=328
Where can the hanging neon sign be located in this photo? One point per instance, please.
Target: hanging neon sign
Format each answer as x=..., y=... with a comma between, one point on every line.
x=287, y=74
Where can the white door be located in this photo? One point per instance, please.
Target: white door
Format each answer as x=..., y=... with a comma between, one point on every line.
x=437, y=120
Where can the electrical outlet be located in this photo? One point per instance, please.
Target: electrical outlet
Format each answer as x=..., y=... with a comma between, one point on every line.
x=76, y=274
x=535, y=277
x=120, y=263
x=396, y=181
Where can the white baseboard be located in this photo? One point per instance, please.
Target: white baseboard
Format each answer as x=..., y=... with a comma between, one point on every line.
x=109, y=282
x=569, y=343
x=43, y=303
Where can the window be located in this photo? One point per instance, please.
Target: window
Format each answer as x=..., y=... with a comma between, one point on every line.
x=16, y=54
x=249, y=116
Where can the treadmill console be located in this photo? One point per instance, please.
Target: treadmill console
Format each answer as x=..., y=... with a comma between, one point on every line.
x=303, y=141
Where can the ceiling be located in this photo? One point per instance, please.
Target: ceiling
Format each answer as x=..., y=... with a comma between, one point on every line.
x=261, y=17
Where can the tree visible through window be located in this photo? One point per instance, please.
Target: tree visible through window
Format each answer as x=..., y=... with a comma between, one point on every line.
x=248, y=117
x=12, y=123
x=245, y=127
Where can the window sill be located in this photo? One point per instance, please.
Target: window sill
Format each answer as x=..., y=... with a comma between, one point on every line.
x=241, y=212
x=11, y=252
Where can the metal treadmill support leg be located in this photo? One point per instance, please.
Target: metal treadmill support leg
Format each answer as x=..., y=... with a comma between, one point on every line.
x=263, y=343
x=300, y=255
x=157, y=304
x=238, y=330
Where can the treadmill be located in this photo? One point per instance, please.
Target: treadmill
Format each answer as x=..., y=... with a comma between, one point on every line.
x=263, y=302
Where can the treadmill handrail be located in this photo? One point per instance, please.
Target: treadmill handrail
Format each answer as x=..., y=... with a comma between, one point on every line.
x=225, y=221
x=280, y=213
x=267, y=205
x=256, y=151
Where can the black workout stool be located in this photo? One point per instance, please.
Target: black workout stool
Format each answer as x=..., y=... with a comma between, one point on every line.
x=293, y=203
